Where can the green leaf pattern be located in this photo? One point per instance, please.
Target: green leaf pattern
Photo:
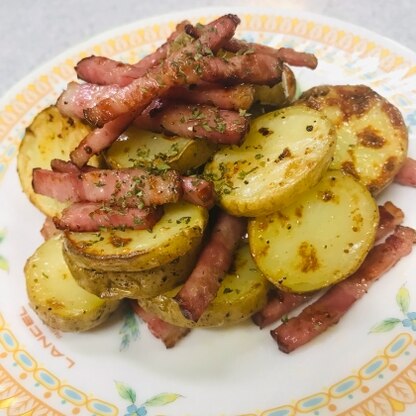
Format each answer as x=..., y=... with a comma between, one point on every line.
x=407, y=321
x=162, y=399
x=130, y=330
x=125, y=392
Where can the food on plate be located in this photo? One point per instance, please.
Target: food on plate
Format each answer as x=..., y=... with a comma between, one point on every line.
x=50, y=135
x=151, y=203
x=146, y=283
x=295, y=257
x=281, y=303
x=169, y=334
x=214, y=261
x=55, y=296
x=330, y=307
x=407, y=173
x=180, y=229
x=371, y=133
x=243, y=291
x=284, y=154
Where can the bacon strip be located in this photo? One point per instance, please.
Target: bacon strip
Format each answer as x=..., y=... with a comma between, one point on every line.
x=92, y=216
x=390, y=217
x=407, y=174
x=198, y=191
x=214, y=261
x=237, y=97
x=329, y=308
x=169, y=334
x=105, y=71
x=99, y=139
x=281, y=303
x=48, y=229
x=197, y=121
x=76, y=97
x=181, y=67
x=123, y=187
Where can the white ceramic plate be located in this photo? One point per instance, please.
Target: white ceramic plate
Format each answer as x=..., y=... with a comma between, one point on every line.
x=119, y=369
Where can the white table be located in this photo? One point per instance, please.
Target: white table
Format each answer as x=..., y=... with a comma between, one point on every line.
x=34, y=31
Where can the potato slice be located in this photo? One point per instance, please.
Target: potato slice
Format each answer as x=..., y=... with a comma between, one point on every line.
x=143, y=148
x=371, y=133
x=51, y=135
x=139, y=284
x=179, y=230
x=320, y=239
x=242, y=293
x=56, y=297
x=285, y=153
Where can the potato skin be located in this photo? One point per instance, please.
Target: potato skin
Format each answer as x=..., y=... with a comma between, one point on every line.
x=50, y=135
x=134, y=285
x=372, y=137
x=243, y=292
x=55, y=296
x=179, y=230
x=285, y=153
x=320, y=239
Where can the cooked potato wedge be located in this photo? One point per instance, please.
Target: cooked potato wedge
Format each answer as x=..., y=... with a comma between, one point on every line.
x=140, y=148
x=50, y=136
x=371, y=133
x=139, y=284
x=285, y=153
x=56, y=297
x=278, y=95
x=320, y=239
x=179, y=230
x=242, y=293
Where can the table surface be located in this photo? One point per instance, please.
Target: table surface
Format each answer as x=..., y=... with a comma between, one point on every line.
x=34, y=31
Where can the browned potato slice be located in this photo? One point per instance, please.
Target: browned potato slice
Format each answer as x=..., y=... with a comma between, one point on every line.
x=179, y=230
x=371, y=134
x=140, y=148
x=320, y=239
x=50, y=136
x=56, y=297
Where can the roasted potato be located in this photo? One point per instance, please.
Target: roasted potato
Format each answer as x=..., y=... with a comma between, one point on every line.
x=50, y=135
x=371, y=133
x=285, y=153
x=140, y=148
x=178, y=231
x=138, y=284
x=320, y=239
x=242, y=293
x=56, y=297
x=278, y=95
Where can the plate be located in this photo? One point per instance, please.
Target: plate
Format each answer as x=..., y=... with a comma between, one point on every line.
x=363, y=366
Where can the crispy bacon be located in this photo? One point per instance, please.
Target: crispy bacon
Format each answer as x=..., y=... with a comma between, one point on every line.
x=281, y=303
x=169, y=334
x=237, y=97
x=329, y=308
x=76, y=97
x=390, y=217
x=93, y=216
x=407, y=174
x=105, y=71
x=214, y=261
x=99, y=139
x=198, y=191
x=123, y=187
x=179, y=68
x=202, y=121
